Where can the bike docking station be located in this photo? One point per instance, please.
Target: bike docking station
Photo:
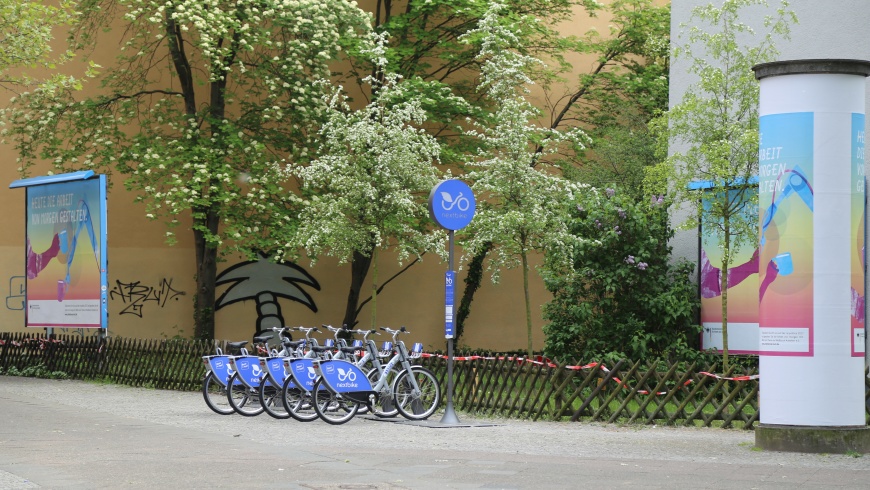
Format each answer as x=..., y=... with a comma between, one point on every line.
x=452, y=206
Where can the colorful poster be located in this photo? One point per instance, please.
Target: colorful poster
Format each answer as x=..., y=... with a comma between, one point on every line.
x=858, y=259
x=66, y=254
x=742, y=286
x=785, y=203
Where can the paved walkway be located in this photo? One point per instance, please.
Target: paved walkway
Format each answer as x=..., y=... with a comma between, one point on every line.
x=78, y=435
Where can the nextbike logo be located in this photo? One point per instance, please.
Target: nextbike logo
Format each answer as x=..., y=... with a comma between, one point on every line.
x=460, y=202
x=311, y=373
x=346, y=385
x=451, y=204
x=346, y=375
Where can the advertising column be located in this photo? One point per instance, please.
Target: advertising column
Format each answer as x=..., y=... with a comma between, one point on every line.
x=811, y=233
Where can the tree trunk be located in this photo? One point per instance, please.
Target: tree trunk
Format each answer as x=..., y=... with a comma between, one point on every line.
x=359, y=269
x=723, y=287
x=206, y=273
x=472, y=283
x=528, y=301
x=374, y=288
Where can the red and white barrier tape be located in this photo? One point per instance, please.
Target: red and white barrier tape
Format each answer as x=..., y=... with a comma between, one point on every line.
x=735, y=378
x=548, y=363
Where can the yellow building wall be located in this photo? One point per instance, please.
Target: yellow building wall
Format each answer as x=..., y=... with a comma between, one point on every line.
x=151, y=284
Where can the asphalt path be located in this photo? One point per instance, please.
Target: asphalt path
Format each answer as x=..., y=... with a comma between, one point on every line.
x=81, y=435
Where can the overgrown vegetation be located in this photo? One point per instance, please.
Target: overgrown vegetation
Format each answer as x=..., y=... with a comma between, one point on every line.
x=38, y=371
x=621, y=297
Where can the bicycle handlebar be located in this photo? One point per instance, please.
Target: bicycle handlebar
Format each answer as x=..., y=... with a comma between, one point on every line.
x=395, y=333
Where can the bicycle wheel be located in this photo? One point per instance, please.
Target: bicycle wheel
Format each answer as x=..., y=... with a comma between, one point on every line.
x=270, y=400
x=297, y=402
x=244, y=400
x=386, y=407
x=332, y=407
x=215, y=395
x=414, y=404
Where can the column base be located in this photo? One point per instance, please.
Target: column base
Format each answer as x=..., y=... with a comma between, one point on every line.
x=813, y=439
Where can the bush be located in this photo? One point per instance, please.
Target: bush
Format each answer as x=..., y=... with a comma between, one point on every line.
x=622, y=297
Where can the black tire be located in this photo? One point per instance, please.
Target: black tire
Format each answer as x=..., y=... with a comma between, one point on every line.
x=417, y=406
x=215, y=395
x=386, y=406
x=297, y=402
x=270, y=400
x=244, y=400
x=331, y=407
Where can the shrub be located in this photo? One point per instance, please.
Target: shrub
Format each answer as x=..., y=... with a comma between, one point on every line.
x=623, y=296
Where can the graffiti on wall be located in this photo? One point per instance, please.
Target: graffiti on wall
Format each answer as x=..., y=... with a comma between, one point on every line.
x=15, y=296
x=264, y=282
x=134, y=296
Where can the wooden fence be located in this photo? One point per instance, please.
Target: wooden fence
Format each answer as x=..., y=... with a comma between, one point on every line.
x=654, y=393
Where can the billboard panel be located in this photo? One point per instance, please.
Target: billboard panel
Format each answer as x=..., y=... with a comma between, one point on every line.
x=66, y=282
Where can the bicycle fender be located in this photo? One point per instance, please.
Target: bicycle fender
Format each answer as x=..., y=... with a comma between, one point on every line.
x=302, y=371
x=344, y=377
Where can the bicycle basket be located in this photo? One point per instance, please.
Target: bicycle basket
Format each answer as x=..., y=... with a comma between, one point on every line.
x=416, y=350
x=386, y=349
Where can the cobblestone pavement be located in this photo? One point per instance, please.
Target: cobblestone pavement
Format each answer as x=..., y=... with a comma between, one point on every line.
x=80, y=435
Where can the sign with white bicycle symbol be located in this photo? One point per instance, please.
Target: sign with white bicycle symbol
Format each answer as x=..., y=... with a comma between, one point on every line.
x=452, y=204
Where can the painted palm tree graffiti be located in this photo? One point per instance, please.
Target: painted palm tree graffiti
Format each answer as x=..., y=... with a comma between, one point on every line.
x=265, y=281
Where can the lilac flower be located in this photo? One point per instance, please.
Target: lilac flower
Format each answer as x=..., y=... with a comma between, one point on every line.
x=629, y=259
x=657, y=200
x=598, y=223
x=610, y=192
x=642, y=266
x=621, y=213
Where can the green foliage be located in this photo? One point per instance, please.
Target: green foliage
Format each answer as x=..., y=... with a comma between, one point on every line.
x=712, y=134
x=520, y=196
x=202, y=106
x=38, y=371
x=26, y=39
x=368, y=189
x=621, y=297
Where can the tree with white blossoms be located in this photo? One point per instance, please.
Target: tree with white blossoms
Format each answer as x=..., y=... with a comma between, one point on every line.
x=26, y=35
x=369, y=186
x=205, y=97
x=713, y=131
x=522, y=198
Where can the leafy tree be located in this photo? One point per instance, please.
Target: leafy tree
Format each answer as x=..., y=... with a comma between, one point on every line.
x=424, y=44
x=521, y=204
x=203, y=100
x=621, y=296
x=713, y=131
x=613, y=99
x=369, y=187
x=26, y=37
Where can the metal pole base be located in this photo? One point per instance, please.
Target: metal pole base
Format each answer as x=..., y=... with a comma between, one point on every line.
x=450, y=415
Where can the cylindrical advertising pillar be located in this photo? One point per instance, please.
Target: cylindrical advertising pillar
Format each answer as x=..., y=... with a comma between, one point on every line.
x=811, y=271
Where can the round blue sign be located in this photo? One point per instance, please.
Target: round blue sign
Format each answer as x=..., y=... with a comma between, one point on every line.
x=451, y=204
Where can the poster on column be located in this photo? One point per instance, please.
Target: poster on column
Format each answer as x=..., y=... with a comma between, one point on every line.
x=785, y=203
x=858, y=218
x=742, y=283
x=65, y=254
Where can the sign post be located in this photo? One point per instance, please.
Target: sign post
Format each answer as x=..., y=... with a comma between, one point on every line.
x=452, y=206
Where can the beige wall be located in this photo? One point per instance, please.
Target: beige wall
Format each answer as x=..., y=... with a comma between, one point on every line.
x=152, y=284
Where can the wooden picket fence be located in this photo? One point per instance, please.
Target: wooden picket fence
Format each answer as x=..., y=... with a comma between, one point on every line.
x=655, y=393
x=627, y=392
